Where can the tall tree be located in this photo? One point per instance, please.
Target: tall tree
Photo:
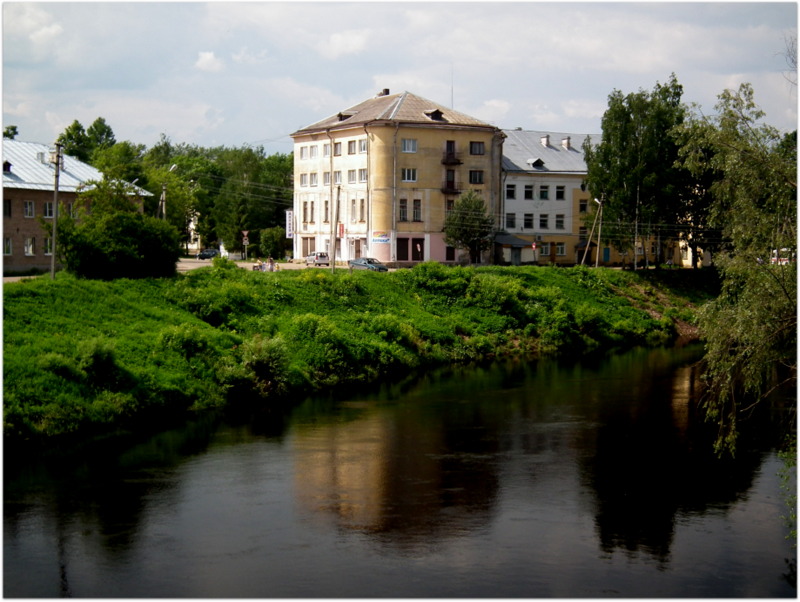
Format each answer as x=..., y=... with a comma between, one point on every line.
x=100, y=135
x=75, y=142
x=469, y=225
x=10, y=132
x=633, y=168
x=751, y=328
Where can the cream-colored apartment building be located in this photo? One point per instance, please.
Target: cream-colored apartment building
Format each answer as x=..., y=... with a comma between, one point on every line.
x=377, y=179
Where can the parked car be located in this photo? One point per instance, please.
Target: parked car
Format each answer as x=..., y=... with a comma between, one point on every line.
x=367, y=263
x=318, y=258
x=207, y=254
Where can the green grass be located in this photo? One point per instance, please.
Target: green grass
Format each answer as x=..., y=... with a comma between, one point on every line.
x=85, y=357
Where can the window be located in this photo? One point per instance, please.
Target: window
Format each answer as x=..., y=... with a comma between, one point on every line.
x=476, y=148
x=313, y=179
x=417, y=210
x=326, y=150
x=545, y=248
x=6, y=207
x=511, y=191
x=582, y=232
x=326, y=212
x=560, y=193
x=326, y=178
x=408, y=174
x=362, y=211
x=417, y=249
x=337, y=149
x=449, y=253
x=305, y=211
x=311, y=217
x=351, y=176
x=303, y=179
x=583, y=205
x=7, y=245
x=48, y=245
x=30, y=209
x=448, y=205
x=353, y=210
x=403, y=216
x=313, y=152
x=362, y=175
x=544, y=193
x=30, y=246
x=48, y=209
x=559, y=221
x=304, y=152
x=511, y=220
x=528, y=192
x=362, y=146
x=544, y=220
x=475, y=176
x=528, y=221
x=409, y=145
x=337, y=177
x=561, y=248
x=351, y=147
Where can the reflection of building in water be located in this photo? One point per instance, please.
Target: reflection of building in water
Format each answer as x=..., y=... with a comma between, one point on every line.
x=391, y=475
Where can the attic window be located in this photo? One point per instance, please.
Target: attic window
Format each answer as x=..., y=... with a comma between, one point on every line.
x=6, y=167
x=435, y=114
x=535, y=162
x=346, y=115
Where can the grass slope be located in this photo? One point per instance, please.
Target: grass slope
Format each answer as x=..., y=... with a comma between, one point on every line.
x=84, y=357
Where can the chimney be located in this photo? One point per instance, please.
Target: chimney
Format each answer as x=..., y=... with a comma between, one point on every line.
x=384, y=92
x=565, y=142
x=545, y=140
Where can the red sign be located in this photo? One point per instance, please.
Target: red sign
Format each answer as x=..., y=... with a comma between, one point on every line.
x=245, y=233
x=533, y=246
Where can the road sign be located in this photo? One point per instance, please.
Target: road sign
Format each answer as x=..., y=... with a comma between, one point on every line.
x=245, y=233
x=245, y=241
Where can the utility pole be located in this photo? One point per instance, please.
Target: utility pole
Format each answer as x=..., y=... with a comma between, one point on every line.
x=599, y=231
x=57, y=161
x=334, y=225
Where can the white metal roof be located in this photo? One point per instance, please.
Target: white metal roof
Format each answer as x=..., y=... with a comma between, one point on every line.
x=30, y=169
x=525, y=151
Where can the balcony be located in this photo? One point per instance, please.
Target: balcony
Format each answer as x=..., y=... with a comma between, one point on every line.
x=451, y=187
x=451, y=158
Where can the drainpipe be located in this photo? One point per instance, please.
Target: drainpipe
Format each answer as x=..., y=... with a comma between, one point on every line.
x=393, y=237
x=330, y=188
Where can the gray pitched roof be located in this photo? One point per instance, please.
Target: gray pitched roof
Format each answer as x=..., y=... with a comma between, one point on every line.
x=31, y=169
x=523, y=151
x=404, y=108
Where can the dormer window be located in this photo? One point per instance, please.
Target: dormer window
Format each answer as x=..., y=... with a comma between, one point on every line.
x=535, y=162
x=344, y=115
x=435, y=114
x=6, y=167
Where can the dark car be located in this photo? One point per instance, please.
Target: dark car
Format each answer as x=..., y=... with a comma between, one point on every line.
x=318, y=258
x=207, y=254
x=367, y=263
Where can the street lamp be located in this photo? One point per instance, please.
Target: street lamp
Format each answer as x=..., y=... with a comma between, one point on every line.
x=56, y=158
x=162, y=204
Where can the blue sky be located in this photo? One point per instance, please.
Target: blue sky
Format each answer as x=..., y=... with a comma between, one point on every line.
x=227, y=73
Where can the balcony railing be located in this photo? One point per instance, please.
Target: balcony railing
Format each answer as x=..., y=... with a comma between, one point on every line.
x=451, y=187
x=450, y=158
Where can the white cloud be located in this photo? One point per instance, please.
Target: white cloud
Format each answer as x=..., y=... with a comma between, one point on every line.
x=492, y=111
x=206, y=61
x=343, y=43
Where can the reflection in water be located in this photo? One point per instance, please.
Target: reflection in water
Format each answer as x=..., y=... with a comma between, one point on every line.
x=536, y=480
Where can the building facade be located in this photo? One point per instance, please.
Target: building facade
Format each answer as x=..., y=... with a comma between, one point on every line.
x=28, y=198
x=378, y=179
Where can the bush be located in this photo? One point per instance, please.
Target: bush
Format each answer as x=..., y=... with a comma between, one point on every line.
x=119, y=245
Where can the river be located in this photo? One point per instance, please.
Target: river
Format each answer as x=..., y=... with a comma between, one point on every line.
x=538, y=480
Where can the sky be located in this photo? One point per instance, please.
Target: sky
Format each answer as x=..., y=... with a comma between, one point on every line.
x=252, y=73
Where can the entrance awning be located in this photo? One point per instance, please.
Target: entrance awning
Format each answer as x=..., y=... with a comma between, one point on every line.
x=509, y=240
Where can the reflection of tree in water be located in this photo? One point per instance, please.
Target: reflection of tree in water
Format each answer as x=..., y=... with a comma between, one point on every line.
x=97, y=495
x=654, y=459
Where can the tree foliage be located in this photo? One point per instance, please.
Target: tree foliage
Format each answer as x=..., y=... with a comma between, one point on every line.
x=632, y=169
x=109, y=238
x=469, y=226
x=751, y=328
x=10, y=132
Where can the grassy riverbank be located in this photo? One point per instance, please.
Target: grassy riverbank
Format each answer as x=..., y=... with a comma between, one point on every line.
x=86, y=357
